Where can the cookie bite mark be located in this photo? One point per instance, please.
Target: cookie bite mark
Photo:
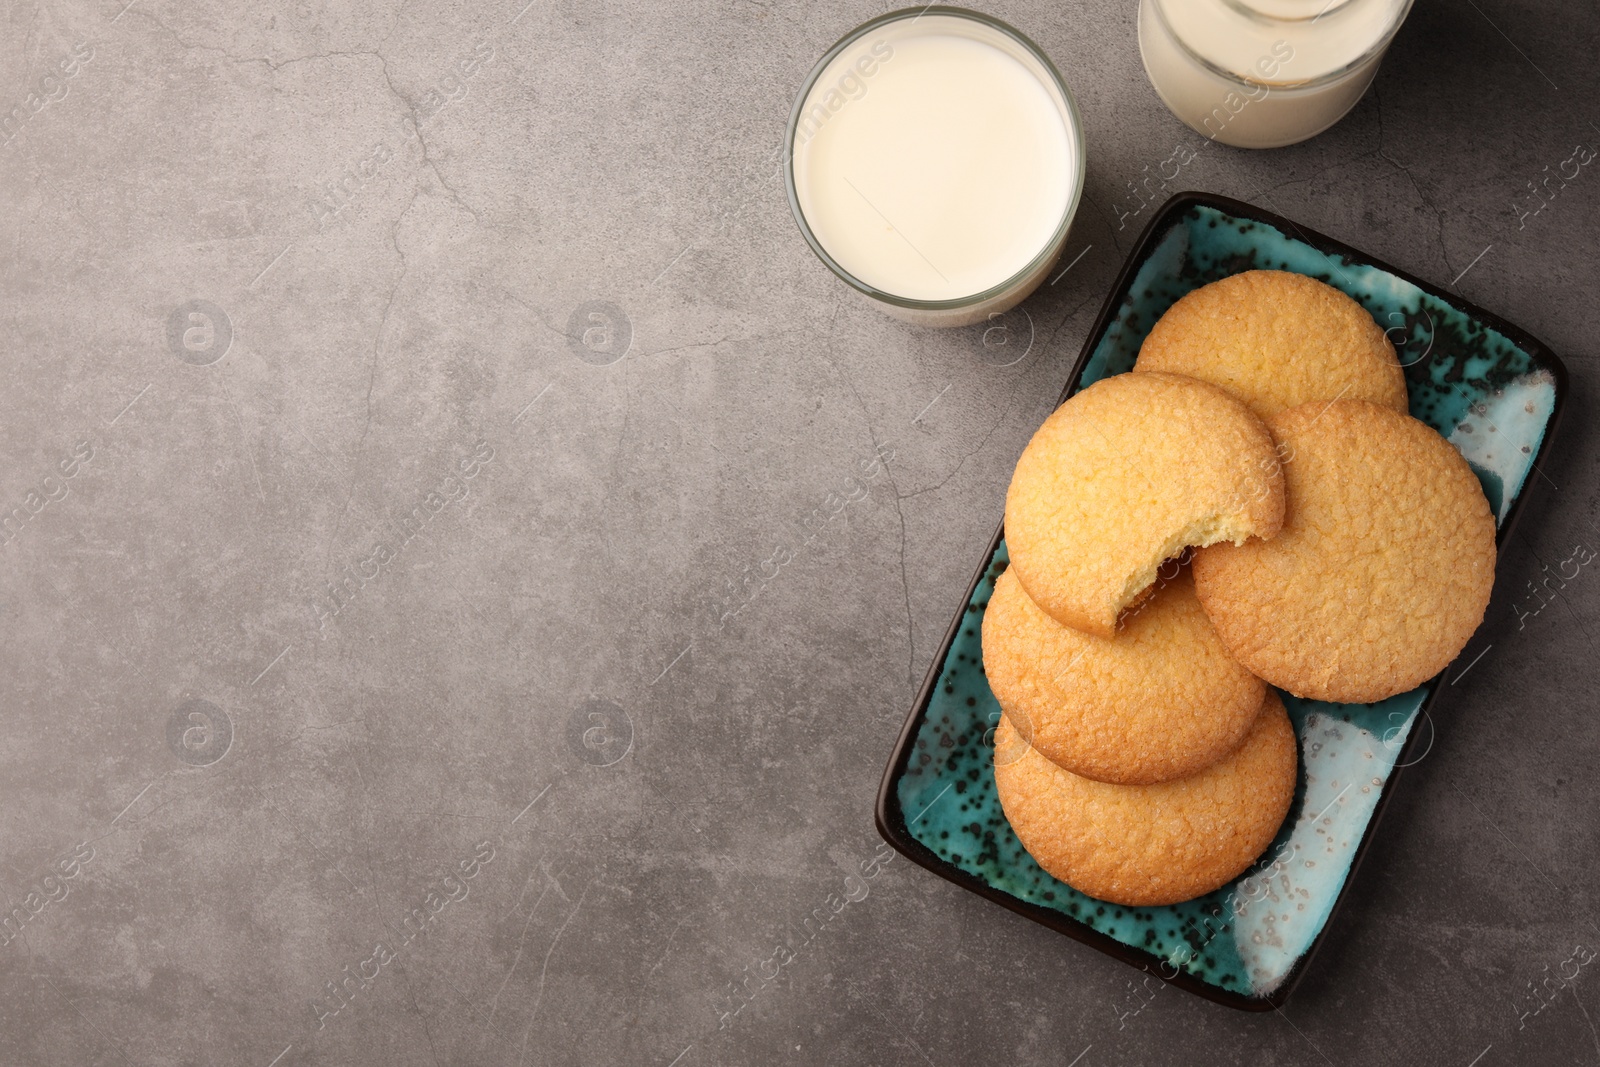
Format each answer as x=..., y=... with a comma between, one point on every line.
x=1124, y=476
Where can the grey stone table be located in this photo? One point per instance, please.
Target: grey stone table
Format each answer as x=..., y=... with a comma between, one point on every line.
x=396, y=399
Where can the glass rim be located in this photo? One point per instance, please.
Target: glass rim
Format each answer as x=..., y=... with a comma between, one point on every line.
x=1247, y=9
x=1318, y=82
x=1074, y=128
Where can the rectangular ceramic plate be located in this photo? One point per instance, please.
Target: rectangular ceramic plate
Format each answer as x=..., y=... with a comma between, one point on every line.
x=1491, y=389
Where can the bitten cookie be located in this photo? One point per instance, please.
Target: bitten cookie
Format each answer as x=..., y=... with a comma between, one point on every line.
x=1382, y=571
x=1145, y=845
x=1277, y=340
x=1160, y=700
x=1123, y=476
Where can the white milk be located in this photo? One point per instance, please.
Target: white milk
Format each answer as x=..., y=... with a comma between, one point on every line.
x=936, y=158
x=1264, y=73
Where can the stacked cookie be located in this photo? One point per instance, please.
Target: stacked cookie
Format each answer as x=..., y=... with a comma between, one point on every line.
x=1341, y=550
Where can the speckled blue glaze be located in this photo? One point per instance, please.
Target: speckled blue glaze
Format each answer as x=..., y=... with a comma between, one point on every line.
x=1472, y=384
x=1468, y=381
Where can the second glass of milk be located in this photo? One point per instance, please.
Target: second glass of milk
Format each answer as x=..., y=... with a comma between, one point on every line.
x=1264, y=73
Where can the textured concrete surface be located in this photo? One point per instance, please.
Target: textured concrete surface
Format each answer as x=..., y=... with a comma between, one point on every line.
x=415, y=413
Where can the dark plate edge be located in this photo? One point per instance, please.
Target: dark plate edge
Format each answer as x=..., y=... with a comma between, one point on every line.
x=890, y=819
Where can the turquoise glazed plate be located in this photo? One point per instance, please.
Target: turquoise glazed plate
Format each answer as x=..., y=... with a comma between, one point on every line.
x=1491, y=389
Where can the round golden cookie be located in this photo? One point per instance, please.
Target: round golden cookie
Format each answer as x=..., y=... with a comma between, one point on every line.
x=1123, y=476
x=1144, y=845
x=1162, y=699
x=1382, y=571
x=1277, y=340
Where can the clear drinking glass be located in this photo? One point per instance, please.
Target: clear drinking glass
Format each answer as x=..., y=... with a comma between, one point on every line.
x=1264, y=73
x=838, y=63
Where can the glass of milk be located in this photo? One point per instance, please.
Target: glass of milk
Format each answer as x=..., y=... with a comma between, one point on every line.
x=1264, y=73
x=935, y=163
